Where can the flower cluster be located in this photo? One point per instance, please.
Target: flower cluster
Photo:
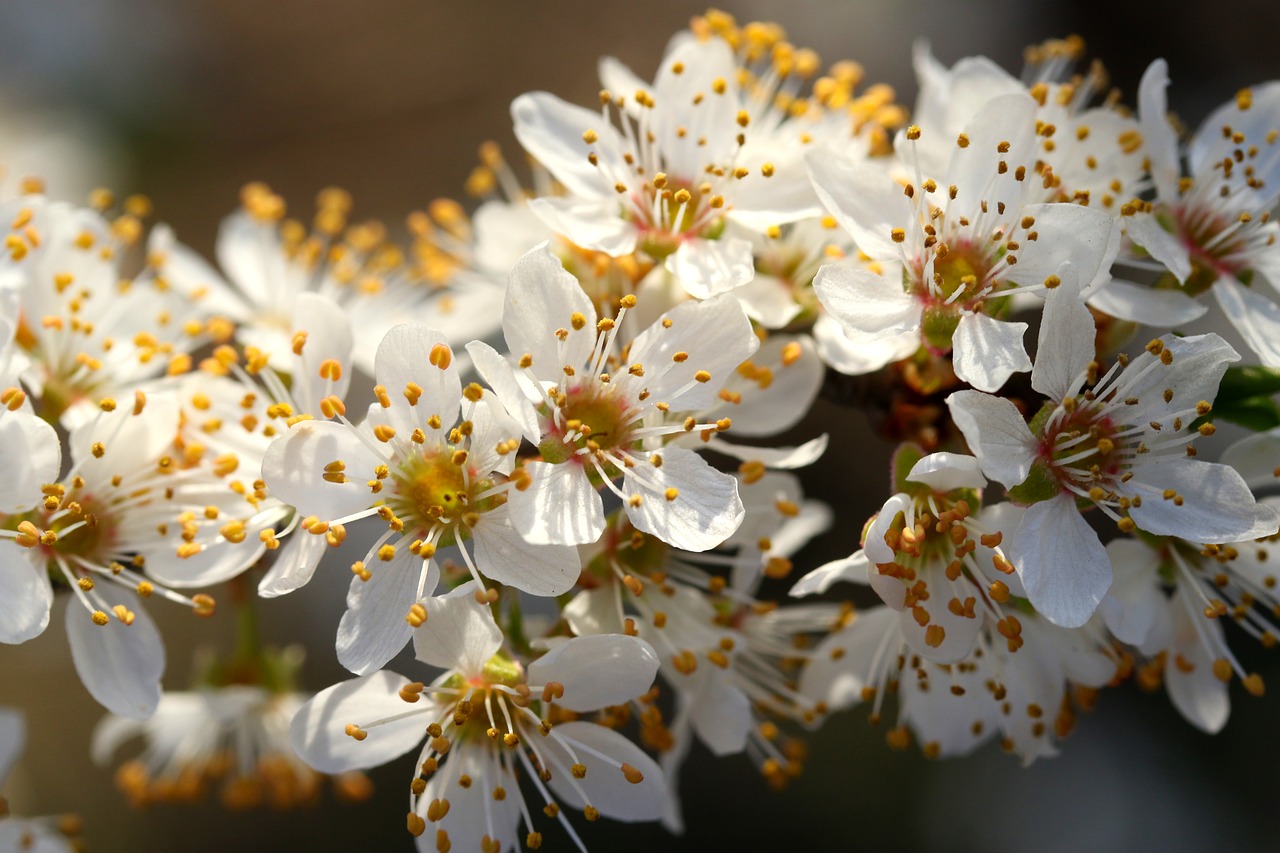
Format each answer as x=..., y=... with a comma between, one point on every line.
x=528, y=423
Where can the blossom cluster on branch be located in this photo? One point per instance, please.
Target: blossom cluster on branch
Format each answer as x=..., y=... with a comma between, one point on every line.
x=547, y=428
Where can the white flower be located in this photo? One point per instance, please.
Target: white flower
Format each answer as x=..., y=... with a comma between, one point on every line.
x=89, y=330
x=486, y=716
x=1086, y=155
x=602, y=414
x=1180, y=633
x=235, y=737
x=434, y=481
x=669, y=179
x=125, y=504
x=1123, y=444
x=1212, y=230
x=1013, y=685
x=954, y=245
x=270, y=262
x=933, y=557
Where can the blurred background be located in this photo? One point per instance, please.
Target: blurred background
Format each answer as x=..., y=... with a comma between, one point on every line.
x=185, y=102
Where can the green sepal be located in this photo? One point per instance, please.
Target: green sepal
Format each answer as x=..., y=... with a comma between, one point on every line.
x=904, y=459
x=1242, y=382
x=1040, y=485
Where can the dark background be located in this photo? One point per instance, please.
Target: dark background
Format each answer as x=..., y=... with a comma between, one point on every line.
x=185, y=102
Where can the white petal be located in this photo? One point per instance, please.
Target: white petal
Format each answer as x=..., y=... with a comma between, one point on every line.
x=865, y=302
x=541, y=298
x=853, y=569
x=768, y=301
x=1145, y=231
x=777, y=458
x=987, y=351
x=594, y=611
x=1149, y=305
x=864, y=200
x=1066, y=346
x=328, y=337
x=503, y=232
x=560, y=506
x=218, y=562
x=551, y=130
x=721, y=715
x=1158, y=135
x=318, y=733
x=704, y=511
x=708, y=268
x=1217, y=504
x=25, y=596
x=605, y=786
x=503, y=555
x=855, y=355
x=959, y=632
x=1254, y=457
x=1083, y=237
x=249, y=252
x=1198, y=695
x=717, y=337
x=765, y=409
x=1255, y=317
x=473, y=812
x=944, y=472
x=591, y=223
x=373, y=630
x=31, y=457
x=996, y=434
x=119, y=664
x=294, y=466
x=953, y=724
x=1199, y=363
x=499, y=374
x=294, y=564
x=1005, y=122
x=404, y=357
x=688, y=137
x=877, y=549
x=1131, y=606
x=1063, y=566
x=192, y=273
x=1209, y=146
x=459, y=633
x=597, y=671
x=838, y=679
x=618, y=79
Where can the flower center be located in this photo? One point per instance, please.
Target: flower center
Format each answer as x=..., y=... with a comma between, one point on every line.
x=1212, y=242
x=593, y=416
x=432, y=487
x=1083, y=448
x=668, y=210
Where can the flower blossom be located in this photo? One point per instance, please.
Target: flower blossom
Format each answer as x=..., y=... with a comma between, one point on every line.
x=952, y=247
x=1120, y=442
x=1212, y=229
x=597, y=414
x=431, y=462
x=124, y=506
x=665, y=183
x=486, y=716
